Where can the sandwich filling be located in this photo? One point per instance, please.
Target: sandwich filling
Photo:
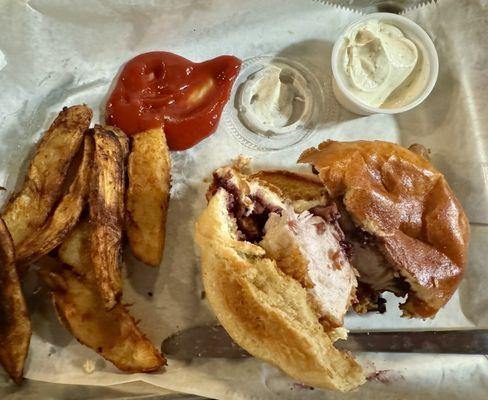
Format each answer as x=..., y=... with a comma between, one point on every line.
x=309, y=245
x=334, y=259
x=375, y=274
x=308, y=248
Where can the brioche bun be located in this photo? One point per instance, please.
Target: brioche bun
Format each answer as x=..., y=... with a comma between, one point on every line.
x=400, y=199
x=265, y=311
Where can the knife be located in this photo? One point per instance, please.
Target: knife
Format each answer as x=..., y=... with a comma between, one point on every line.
x=369, y=6
x=214, y=342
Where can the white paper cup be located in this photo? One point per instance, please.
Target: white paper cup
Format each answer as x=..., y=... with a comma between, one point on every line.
x=413, y=32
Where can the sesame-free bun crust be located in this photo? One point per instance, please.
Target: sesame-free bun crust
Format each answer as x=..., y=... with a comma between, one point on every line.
x=293, y=186
x=398, y=197
x=265, y=311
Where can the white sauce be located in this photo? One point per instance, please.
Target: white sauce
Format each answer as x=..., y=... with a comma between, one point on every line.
x=379, y=62
x=276, y=99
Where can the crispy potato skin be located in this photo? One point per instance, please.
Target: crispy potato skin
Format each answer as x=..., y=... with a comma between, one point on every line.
x=125, y=144
x=15, y=326
x=123, y=139
x=106, y=200
x=29, y=209
x=114, y=333
x=148, y=168
x=65, y=216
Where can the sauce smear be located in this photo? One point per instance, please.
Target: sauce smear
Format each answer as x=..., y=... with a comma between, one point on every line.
x=161, y=89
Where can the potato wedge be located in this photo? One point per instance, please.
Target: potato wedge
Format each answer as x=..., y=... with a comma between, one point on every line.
x=65, y=216
x=15, y=326
x=106, y=201
x=74, y=251
x=113, y=334
x=148, y=195
x=123, y=139
x=124, y=143
x=42, y=188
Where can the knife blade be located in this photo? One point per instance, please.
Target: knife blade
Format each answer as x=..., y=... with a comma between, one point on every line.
x=370, y=6
x=215, y=342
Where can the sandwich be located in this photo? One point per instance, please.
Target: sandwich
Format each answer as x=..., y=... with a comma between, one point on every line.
x=275, y=303
x=285, y=256
x=408, y=230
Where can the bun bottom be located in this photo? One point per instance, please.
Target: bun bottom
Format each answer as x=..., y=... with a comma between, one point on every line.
x=265, y=311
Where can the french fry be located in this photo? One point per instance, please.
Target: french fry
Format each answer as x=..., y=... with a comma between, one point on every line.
x=42, y=188
x=106, y=201
x=15, y=326
x=148, y=195
x=65, y=216
x=113, y=334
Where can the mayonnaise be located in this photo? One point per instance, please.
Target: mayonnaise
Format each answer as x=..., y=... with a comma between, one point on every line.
x=377, y=59
x=274, y=100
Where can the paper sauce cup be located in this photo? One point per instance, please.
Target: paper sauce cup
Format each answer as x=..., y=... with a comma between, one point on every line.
x=413, y=32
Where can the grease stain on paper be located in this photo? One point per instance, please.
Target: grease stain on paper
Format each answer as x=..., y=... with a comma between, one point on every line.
x=384, y=376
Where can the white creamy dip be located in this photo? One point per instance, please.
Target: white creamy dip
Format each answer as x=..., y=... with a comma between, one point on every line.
x=275, y=99
x=378, y=61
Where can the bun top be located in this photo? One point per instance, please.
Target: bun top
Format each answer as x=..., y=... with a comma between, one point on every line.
x=398, y=197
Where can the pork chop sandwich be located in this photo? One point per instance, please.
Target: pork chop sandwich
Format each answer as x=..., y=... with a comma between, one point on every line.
x=408, y=230
x=277, y=274
x=285, y=256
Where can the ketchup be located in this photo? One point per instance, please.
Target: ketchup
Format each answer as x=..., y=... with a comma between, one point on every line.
x=161, y=89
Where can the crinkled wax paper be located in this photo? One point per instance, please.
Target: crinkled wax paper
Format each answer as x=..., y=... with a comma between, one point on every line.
x=55, y=53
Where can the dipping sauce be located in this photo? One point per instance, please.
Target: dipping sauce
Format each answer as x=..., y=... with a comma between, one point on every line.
x=275, y=100
x=161, y=89
x=382, y=67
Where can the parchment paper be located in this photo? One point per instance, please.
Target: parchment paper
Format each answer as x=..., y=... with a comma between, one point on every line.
x=55, y=53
